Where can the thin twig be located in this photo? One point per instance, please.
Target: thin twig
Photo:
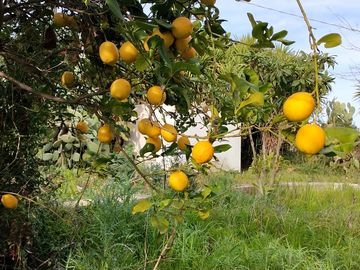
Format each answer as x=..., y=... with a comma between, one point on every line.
x=313, y=45
x=166, y=248
x=132, y=162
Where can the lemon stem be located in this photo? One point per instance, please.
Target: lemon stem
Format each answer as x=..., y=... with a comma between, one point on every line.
x=313, y=45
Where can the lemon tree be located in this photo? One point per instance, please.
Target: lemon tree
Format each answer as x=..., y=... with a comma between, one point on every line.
x=106, y=58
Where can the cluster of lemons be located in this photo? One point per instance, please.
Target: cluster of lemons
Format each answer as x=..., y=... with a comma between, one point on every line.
x=310, y=138
x=179, y=37
x=62, y=20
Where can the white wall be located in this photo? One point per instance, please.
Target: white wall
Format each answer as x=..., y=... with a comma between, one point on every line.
x=229, y=160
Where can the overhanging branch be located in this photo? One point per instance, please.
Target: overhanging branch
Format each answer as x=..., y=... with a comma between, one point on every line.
x=30, y=90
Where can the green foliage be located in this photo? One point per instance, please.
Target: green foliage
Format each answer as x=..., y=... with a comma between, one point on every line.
x=339, y=114
x=291, y=228
x=330, y=40
x=265, y=35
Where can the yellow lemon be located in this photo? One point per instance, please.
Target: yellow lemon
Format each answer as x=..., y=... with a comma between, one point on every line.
x=67, y=79
x=9, y=201
x=143, y=125
x=128, y=52
x=202, y=152
x=299, y=106
x=156, y=95
x=59, y=20
x=108, y=52
x=178, y=181
x=167, y=37
x=310, y=139
x=181, y=27
x=182, y=44
x=155, y=141
x=169, y=133
x=183, y=142
x=82, y=126
x=105, y=134
x=120, y=89
x=188, y=53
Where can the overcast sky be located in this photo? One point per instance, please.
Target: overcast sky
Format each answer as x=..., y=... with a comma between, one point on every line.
x=330, y=11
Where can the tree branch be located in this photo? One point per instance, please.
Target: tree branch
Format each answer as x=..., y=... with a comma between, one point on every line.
x=31, y=68
x=50, y=97
x=31, y=90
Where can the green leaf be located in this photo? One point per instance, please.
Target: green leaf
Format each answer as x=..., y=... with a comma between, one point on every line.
x=141, y=207
x=179, y=219
x=76, y=157
x=47, y=147
x=256, y=99
x=279, y=35
x=114, y=7
x=92, y=147
x=171, y=150
x=258, y=31
x=251, y=76
x=251, y=19
x=148, y=147
x=163, y=24
x=222, y=148
x=67, y=138
x=330, y=40
x=206, y=192
x=182, y=66
x=159, y=223
x=204, y=214
x=141, y=63
x=286, y=42
x=47, y=156
x=340, y=135
x=164, y=203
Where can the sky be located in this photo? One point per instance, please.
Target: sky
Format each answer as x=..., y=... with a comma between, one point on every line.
x=329, y=11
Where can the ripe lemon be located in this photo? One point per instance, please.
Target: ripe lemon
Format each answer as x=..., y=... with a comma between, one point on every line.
x=182, y=43
x=181, y=27
x=156, y=95
x=59, y=20
x=120, y=89
x=146, y=127
x=169, y=133
x=105, y=134
x=202, y=152
x=143, y=126
x=128, y=52
x=167, y=37
x=153, y=130
x=298, y=106
x=67, y=79
x=108, y=52
x=82, y=126
x=9, y=201
x=188, y=53
x=155, y=141
x=183, y=142
x=310, y=139
x=178, y=181
x=208, y=2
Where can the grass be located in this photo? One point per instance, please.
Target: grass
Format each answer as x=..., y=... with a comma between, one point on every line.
x=301, y=228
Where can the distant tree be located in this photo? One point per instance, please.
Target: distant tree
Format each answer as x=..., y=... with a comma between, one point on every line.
x=339, y=114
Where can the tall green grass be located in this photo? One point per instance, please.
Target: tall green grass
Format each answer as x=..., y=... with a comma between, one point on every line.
x=302, y=228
